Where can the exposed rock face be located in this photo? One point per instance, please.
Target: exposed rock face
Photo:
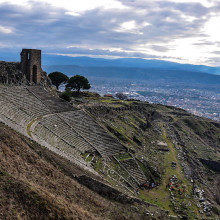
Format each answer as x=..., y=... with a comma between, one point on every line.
x=10, y=73
x=155, y=115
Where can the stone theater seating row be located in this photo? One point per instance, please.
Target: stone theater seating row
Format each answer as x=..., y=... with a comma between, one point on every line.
x=64, y=131
x=93, y=133
x=52, y=121
x=134, y=170
x=71, y=125
x=23, y=100
x=53, y=103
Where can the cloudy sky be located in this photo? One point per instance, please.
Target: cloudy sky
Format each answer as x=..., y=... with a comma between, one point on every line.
x=184, y=31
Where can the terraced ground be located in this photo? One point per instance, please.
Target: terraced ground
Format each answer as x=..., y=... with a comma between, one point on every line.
x=126, y=144
x=36, y=183
x=62, y=128
x=160, y=136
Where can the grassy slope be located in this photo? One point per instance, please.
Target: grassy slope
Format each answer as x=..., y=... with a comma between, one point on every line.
x=161, y=195
x=37, y=184
x=201, y=137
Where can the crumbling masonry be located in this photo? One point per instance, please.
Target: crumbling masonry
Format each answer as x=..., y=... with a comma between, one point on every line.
x=28, y=71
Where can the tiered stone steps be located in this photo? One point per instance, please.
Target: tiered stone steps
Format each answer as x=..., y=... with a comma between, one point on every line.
x=22, y=101
x=73, y=126
x=53, y=103
x=134, y=170
x=65, y=129
x=105, y=144
x=62, y=130
x=18, y=107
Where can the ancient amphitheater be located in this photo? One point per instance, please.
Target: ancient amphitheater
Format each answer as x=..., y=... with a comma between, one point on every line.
x=54, y=123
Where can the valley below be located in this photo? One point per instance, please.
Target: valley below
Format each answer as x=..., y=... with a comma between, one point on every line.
x=197, y=92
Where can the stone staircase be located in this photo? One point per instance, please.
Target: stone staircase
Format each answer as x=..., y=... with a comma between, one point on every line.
x=69, y=132
x=134, y=170
x=105, y=144
x=53, y=103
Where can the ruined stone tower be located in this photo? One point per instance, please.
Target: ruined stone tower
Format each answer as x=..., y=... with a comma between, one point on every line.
x=31, y=65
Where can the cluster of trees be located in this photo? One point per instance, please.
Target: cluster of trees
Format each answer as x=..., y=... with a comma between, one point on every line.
x=76, y=82
x=121, y=96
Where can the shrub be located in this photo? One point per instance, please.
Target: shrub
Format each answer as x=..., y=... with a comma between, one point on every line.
x=66, y=95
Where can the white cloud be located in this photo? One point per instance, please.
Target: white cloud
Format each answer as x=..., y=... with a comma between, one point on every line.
x=72, y=6
x=128, y=26
x=207, y=3
x=84, y=5
x=18, y=2
x=212, y=28
x=72, y=13
x=23, y=3
x=131, y=27
x=185, y=30
x=5, y=30
x=78, y=7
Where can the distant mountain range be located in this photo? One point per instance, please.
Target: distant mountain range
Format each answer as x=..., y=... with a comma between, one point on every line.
x=126, y=63
x=129, y=68
x=159, y=76
x=50, y=60
x=155, y=71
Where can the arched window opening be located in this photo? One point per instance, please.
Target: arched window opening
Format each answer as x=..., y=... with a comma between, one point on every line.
x=35, y=74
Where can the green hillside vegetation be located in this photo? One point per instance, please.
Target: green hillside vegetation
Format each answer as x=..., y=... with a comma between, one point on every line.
x=170, y=161
x=37, y=184
x=188, y=139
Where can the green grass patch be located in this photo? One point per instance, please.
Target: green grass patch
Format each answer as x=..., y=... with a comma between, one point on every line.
x=122, y=157
x=29, y=127
x=98, y=164
x=89, y=158
x=161, y=196
x=117, y=133
x=85, y=155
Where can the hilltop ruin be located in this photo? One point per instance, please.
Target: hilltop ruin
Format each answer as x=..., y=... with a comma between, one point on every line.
x=26, y=72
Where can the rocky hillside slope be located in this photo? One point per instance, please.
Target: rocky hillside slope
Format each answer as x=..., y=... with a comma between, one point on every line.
x=176, y=148
x=38, y=184
x=169, y=162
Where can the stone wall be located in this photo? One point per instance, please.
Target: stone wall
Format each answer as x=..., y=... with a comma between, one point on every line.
x=10, y=73
x=108, y=191
x=31, y=65
x=27, y=72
